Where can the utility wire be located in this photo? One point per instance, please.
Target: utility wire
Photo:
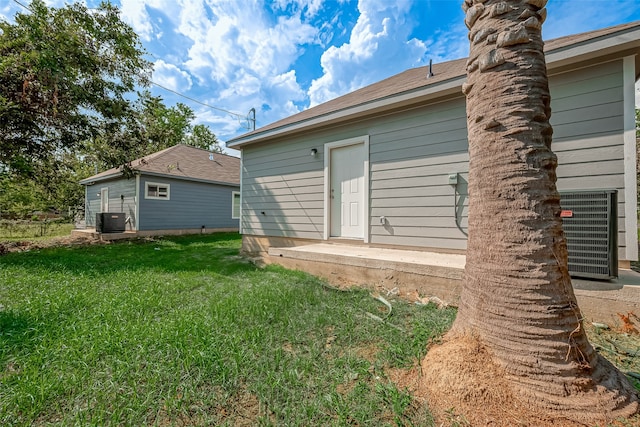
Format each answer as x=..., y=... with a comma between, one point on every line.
x=26, y=7
x=198, y=102
x=251, y=121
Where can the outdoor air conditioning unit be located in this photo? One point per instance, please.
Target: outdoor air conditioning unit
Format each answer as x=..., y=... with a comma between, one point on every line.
x=110, y=222
x=590, y=223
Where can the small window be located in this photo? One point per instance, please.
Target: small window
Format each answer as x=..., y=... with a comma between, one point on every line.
x=235, y=210
x=156, y=191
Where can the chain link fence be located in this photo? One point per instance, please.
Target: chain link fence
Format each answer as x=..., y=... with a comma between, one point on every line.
x=27, y=229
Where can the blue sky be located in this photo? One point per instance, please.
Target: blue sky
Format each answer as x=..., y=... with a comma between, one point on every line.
x=281, y=57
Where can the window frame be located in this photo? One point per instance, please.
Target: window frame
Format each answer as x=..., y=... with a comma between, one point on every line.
x=159, y=185
x=233, y=199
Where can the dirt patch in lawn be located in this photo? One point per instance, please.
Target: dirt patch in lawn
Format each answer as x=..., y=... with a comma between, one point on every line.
x=29, y=245
x=447, y=398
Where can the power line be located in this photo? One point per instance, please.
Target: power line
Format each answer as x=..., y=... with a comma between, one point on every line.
x=26, y=7
x=250, y=120
x=196, y=101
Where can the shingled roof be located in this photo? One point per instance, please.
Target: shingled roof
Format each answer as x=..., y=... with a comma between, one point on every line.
x=412, y=84
x=182, y=162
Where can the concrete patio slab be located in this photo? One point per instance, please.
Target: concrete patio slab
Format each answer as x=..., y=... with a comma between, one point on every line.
x=440, y=274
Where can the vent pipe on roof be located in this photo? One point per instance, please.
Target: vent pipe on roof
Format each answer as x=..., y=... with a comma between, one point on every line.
x=430, y=74
x=210, y=156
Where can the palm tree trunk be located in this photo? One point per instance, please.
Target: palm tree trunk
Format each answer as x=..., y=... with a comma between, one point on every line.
x=517, y=300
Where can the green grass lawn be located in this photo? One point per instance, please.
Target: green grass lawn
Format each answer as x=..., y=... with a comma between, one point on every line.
x=183, y=331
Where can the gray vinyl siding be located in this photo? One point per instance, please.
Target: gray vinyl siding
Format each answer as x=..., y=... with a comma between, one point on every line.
x=125, y=187
x=190, y=205
x=588, y=124
x=411, y=154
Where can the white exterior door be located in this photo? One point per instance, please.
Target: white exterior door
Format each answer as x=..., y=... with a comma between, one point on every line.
x=104, y=200
x=347, y=191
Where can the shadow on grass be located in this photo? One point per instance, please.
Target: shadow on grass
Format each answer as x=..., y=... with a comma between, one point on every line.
x=217, y=253
x=14, y=330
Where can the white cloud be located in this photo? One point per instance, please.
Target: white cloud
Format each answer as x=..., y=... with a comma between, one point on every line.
x=378, y=47
x=240, y=36
x=170, y=76
x=134, y=13
x=244, y=55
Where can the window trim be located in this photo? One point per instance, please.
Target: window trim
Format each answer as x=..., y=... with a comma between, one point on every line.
x=233, y=199
x=159, y=185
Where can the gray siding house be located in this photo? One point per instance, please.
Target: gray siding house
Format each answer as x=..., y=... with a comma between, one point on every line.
x=387, y=165
x=179, y=190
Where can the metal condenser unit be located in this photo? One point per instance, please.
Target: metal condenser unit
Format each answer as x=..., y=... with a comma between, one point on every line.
x=590, y=223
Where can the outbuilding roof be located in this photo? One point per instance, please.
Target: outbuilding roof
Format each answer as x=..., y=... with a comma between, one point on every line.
x=414, y=85
x=183, y=162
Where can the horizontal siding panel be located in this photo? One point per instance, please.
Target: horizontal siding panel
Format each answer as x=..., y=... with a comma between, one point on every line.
x=610, y=167
x=416, y=202
x=255, y=218
x=432, y=232
x=589, y=85
x=430, y=132
x=294, y=212
x=426, y=139
x=281, y=166
x=460, y=160
x=439, y=190
x=289, y=177
x=436, y=180
x=430, y=114
x=594, y=141
x=587, y=114
x=410, y=211
x=277, y=232
x=282, y=189
x=301, y=154
x=419, y=171
x=289, y=205
x=591, y=182
x=310, y=228
x=591, y=155
x=422, y=221
x=588, y=77
x=596, y=127
x=289, y=181
x=608, y=95
x=287, y=170
x=446, y=148
x=257, y=197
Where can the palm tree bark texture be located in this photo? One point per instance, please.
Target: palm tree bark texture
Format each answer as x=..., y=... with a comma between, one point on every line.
x=518, y=315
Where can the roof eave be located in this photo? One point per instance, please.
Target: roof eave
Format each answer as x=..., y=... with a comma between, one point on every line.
x=92, y=179
x=442, y=89
x=618, y=44
x=557, y=59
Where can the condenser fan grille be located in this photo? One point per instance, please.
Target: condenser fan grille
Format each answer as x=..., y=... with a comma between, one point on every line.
x=590, y=226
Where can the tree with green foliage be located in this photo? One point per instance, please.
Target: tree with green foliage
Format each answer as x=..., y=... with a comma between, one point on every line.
x=64, y=75
x=151, y=127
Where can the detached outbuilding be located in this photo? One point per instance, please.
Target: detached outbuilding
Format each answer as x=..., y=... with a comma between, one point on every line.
x=179, y=190
x=386, y=166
